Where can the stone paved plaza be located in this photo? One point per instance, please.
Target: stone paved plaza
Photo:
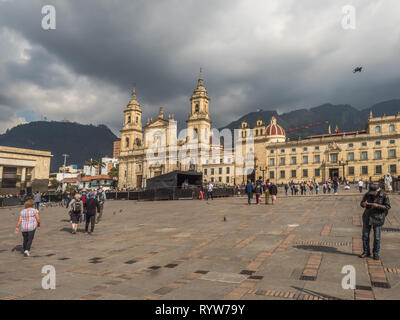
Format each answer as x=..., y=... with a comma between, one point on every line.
x=185, y=250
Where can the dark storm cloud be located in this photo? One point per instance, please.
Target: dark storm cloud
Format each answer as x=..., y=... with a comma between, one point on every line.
x=255, y=54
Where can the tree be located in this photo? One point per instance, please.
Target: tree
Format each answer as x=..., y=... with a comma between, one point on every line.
x=100, y=164
x=54, y=184
x=114, y=172
x=91, y=164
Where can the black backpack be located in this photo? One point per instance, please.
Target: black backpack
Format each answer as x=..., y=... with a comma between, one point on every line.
x=77, y=206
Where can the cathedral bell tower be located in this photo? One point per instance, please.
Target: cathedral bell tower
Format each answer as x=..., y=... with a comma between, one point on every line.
x=199, y=122
x=132, y=132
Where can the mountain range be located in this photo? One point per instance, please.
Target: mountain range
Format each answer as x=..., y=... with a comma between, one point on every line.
x=82, y=142
x=346, y=117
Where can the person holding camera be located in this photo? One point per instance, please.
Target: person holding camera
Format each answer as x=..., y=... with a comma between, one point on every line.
x=377, y=206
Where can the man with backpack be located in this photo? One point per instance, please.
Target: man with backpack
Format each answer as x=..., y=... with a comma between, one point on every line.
x=75, y=209
x=377, y=206
x=101, y=198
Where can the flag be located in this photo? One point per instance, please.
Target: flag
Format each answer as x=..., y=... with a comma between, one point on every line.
x=329, y=129
x=337, y=129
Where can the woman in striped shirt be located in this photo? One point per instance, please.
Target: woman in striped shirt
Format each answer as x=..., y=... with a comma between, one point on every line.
x=29, y=221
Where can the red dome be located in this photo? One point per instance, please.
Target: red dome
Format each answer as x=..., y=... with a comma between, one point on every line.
x=274, y=129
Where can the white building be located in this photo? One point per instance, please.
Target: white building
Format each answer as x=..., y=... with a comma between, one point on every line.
x=94, y=171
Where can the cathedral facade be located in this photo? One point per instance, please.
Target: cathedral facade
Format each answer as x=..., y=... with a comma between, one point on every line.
x=262, y=151
x=157, y=148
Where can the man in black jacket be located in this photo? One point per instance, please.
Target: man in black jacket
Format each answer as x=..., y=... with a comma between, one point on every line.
x=377, y=206
x=91, y=205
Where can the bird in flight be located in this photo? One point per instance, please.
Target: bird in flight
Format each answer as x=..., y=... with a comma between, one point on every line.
x=358, y=69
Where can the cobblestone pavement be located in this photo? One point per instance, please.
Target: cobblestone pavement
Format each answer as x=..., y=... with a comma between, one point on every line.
x=184, y=249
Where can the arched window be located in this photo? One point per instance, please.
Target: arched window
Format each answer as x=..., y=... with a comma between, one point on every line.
x=256, y=132
x=138, y=143
x=196, y=109
x=391, y=128
x=129, y=119
x=377, y=129
x=127, y=142
x=137, y=119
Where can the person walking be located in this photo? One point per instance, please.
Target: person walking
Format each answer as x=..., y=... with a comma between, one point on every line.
x=83, y=199
x=388, y=182
x=249, y=190
x=377, y=206
x=37, y=198
x=29, y=221
x=273, y=190
x=75, y=210
x=316, y=188
x=210, y=188
x=335, y=185
x=65, y=198
x=266, y=191
x=101, y=198
x=92, y=207
x=287, y=189
x=258, y=189
x=360, y=185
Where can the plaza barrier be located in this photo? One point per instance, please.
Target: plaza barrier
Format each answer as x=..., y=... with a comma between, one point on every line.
x=396, y=185
x=10, y=202
x=173, y=193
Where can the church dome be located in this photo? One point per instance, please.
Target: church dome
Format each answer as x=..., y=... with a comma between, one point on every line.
x=274, y=129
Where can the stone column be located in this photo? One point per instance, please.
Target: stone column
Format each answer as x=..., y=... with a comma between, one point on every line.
x=1, y=175
x=23, y=179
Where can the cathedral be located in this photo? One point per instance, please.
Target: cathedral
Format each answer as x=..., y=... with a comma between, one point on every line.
x=262, y=151
x=157, y=148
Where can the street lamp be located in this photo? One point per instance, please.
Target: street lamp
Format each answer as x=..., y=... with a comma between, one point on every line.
x=343, y=163
x=263, y=170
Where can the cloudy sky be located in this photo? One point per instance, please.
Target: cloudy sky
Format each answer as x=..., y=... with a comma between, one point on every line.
x=255, y=54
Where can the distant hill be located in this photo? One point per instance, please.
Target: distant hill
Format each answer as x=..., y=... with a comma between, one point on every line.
x=345, y=117
x=81, y=142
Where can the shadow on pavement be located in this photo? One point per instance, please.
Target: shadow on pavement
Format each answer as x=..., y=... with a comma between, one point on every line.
x=18, y=248
x=315, y=293
x=391, y=229
x=324, y=249
x=65, y=229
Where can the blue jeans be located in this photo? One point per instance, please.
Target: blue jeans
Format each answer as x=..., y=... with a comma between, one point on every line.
x=37, y=205
x=249, y=197
x=377, y=238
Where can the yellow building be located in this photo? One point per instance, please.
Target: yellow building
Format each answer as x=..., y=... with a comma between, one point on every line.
x=23, y=169
x=372, y=152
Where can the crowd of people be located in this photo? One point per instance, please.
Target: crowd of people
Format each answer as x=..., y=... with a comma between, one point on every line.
x=82, y=206
x=87, y=206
